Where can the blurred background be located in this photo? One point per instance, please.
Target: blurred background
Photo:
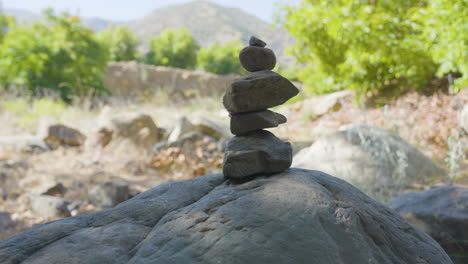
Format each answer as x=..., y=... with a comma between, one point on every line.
x=102, y=100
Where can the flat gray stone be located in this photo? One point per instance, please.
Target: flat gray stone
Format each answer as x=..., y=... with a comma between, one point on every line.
x=255, y=58
x=254, y=41
x=298, y=216
x=442, y=213
x=108, y=194
x=47, y=206
x=257, y=152
x=258, y=91
x=243, y=123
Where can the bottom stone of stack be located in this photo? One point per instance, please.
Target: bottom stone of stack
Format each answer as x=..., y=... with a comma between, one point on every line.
x=257, y=152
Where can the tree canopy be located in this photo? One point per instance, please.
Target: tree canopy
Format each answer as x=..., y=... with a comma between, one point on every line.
x=59, y=54
x=174, y=48
x=121, y=43
x=372, y=46
x=221, y=58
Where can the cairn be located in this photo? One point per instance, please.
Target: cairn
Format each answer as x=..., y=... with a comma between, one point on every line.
x=252, y=150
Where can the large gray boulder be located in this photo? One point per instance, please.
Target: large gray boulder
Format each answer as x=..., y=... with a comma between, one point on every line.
x=442, y=213
x=375, y=160
x=298, y=216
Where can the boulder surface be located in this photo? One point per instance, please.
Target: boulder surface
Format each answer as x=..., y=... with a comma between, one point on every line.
x=371, y=158
x=297, y=216
x=442, y=213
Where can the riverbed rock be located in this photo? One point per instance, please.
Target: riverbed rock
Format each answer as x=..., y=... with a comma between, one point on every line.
x=442, y=213
x=135, y=131
x=257, y=152
x=247, y=122
x=56, y=135
x=297, y=216
x=108, y=194
x=258, y=91
x=372, y=158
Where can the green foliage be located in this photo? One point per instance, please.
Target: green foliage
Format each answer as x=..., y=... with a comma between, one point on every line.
x=121, y=43
x=446, y=32
x=59, y=54
x=30, y=112
x=5, y=23
x=174, y=48
x=221, y=58
x=369, y=46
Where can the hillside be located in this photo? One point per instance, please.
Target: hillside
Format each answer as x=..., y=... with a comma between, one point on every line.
x=208, y=22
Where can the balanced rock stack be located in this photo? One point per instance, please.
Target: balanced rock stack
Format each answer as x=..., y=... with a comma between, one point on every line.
x=253, y=150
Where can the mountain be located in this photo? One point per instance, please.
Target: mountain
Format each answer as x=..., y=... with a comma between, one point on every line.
x=207, y=21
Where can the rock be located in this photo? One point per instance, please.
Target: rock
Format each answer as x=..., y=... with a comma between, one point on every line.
x=11, y=173
x=215, y=128
x=109, y=194
x=243, y=123
x=253, y=41
x=371, y=158
x=182, y=127
x=56, y=135
x=293, y=217
x=132, y=130
x=47, y=206
x=258, y=91
x=257, y=152
x=440, y=212
x=22, y=144
x=5, y=220
x=463, y=118
x=317, y=106
x=255, y=58
x=57, y=189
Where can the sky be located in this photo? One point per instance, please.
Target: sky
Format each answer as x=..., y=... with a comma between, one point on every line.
x=123, y=10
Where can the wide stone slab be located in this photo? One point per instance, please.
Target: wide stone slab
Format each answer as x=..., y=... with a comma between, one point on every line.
x=255, y=58
x=243, y=123
x=258, y=91
x=257, y=152
x=298, y=216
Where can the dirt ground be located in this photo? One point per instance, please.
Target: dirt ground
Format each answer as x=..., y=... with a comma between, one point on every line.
x=427, y=122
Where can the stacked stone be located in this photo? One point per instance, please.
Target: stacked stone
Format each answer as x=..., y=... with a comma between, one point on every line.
x=255, y=151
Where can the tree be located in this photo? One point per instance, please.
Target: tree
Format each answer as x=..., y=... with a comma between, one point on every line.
x=5, y=23
x=221, y=58
x=446, y=32
x=174, y=48
x=59, y=54
x=368, y=46
x=121, y=43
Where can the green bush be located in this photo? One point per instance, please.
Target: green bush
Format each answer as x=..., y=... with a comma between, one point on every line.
x=121, y=43
x=446, y=33
x=221, y=58
x=174, y=48
x=59, y=54
x=368, y=46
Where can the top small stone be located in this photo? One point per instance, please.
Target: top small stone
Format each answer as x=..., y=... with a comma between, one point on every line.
x=256, y=42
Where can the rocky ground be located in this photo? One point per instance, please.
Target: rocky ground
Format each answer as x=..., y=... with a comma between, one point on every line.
x=47, y=174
